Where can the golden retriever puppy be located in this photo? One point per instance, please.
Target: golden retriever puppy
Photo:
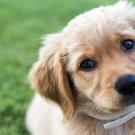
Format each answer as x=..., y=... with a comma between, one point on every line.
x=86, y=73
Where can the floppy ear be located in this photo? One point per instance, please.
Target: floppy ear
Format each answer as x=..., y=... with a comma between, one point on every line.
x=49, y=77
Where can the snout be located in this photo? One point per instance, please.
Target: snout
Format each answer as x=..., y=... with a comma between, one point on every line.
x=125, y=85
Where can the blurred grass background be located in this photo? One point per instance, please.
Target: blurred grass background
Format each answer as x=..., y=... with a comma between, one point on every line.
x=22, y=24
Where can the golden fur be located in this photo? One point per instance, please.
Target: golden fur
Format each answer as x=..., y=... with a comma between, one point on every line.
x=56, y=75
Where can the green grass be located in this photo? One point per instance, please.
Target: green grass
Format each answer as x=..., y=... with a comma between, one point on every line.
x=22, y=24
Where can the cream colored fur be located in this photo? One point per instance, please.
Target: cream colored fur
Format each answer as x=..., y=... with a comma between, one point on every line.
x=68, y=107
x=47, y=119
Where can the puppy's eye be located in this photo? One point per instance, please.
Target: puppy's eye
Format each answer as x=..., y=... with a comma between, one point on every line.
x=127, y=45
x=87, y=64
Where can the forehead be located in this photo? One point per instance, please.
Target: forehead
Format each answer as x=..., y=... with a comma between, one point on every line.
x=101, y=25
x=99, y=29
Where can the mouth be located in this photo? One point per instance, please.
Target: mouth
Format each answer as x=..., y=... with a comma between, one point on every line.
x=120, y=120
x=117, y=118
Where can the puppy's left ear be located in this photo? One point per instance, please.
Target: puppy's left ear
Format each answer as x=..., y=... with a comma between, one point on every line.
x=49, y=77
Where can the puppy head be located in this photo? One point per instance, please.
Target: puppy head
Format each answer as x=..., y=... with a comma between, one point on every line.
x=90, y=65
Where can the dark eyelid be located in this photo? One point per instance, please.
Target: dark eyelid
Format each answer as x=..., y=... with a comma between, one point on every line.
x=87, y=65
x=127, y=50
x=81, y=59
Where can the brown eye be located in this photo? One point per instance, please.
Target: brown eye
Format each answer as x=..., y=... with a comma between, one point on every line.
x=87, y=64
x=128, y=45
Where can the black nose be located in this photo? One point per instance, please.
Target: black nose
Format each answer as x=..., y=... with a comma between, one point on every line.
x=125, y=85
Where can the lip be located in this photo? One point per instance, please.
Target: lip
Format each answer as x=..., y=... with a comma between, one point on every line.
x=120, y=121
x=114, y=116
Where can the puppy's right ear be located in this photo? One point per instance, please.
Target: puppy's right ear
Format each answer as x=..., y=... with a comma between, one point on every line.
x=49, y=77
x=39, y=75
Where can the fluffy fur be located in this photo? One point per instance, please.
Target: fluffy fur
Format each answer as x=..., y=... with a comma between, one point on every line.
x=72, y=94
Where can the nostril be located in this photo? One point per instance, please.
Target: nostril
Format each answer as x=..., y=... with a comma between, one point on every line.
x=133, y=84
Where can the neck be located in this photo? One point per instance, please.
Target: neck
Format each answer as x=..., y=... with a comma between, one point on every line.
x=84, y=124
